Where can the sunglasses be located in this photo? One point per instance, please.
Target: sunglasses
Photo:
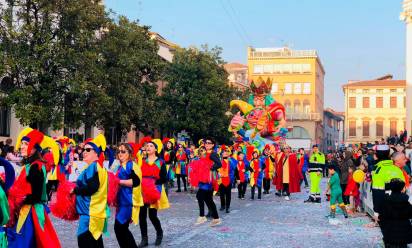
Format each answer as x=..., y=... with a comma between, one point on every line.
x=122, y=151
x=209, y=142
x=88, y=149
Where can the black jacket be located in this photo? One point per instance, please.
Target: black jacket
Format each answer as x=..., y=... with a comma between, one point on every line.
x=395, y=219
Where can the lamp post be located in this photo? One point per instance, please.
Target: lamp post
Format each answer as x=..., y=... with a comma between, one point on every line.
x=406, y=16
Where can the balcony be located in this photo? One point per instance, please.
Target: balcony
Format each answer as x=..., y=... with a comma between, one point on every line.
x=299, y=116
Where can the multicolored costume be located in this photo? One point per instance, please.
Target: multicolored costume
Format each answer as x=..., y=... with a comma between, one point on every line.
x=33, y=227
x=129, y=201
x=241, y=175
x=91, y=197
x=4, y=205
x=226, y=177
x=256, y=177
x=154, y=175
x=169, y=157
x=180, y=169
x=269, y=170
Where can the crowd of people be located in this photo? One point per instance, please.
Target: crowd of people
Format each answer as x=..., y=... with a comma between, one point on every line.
x=145, y=173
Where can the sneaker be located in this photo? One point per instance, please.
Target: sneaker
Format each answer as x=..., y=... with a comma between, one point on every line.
x=215, y=222
x=287, y=198
x=309, y=200
x=200, y=220
x=317, y=200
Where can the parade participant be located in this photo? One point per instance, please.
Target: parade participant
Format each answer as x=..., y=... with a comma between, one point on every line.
x=205, y=192
x=241, y=174
x=33, y=227
x=154, y=175
x=91, y=195
x=335, y=193
x=256, y=176
x=226, y=173
x=288, y=175
x=4, y=206
x=180, y=167
x=169, y=157
x=129, y=196
x=316, y=161
x=384, y=172
x=303, y=161
x=268, y=159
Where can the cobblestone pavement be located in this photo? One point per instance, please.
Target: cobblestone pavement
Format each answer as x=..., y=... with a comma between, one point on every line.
x=270, y=222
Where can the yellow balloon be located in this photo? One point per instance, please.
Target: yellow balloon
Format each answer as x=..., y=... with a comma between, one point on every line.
x=359, y=176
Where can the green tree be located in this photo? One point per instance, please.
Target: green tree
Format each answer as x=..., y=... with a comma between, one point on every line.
x=49, y=52
x=197, y=95
x=131, y=68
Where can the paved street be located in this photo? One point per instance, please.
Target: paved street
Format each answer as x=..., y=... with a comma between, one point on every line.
x=271, y=222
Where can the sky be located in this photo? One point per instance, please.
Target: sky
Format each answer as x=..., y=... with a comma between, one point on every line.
x=355, y=39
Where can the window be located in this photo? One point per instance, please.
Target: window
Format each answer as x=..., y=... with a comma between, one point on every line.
x=394, y=128
x=352, y=102
x=393, y=102
x=404, y=101
x=287, y=68
x=365, y=91
x=379, y=91
x=306, y=68
x=393, y=90
x=297, y=89
x=297, y=68
x=306, y=88
x=5, y=121
x=352, y=91
x=379, y=102
x=267, y=68
x=329, y=122
x=352, y=128
x=287, y=105
x=274, y=88
x=298, y=133
x=288, y=88
x=296, y=106
x=365, y=128
x=258, y=69
x=306, y=106
x=365, y=102
x=379, y=128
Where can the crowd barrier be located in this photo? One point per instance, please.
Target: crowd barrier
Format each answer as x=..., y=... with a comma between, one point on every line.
x=366, y=197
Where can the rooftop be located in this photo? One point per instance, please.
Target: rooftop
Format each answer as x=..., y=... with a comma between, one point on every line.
x=234, y=66
x=384, y=81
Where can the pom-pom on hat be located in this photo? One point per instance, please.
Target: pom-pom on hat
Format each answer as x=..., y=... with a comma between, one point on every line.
x=39, y=141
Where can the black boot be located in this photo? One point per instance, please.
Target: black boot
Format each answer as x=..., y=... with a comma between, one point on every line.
x=159, y=238
x=144, y=242
x=317, y=200
x=309, y=200
x=222, y=208
x=227, y=210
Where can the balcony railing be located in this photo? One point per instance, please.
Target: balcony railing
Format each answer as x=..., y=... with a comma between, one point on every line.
x=292, y=116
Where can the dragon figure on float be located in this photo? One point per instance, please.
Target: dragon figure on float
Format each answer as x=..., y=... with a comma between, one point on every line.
x=261, y=120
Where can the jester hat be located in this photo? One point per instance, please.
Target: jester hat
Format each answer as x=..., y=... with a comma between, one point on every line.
x=39, y=141
x=98, y=143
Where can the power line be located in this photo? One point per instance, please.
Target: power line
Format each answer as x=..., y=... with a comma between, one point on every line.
x=236, y=17
x=234, y=24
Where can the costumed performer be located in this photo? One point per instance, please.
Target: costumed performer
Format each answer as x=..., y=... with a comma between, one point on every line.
x=288, y=175
x=226, y=175
x=4, y=205
x=256, y=176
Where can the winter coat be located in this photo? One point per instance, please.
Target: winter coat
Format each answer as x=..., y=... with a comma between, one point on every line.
x=395, y=219
x=344, y=167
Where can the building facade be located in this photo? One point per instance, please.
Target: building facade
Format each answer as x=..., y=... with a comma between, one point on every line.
x=238, y=75
x=297, y=78
x=332, y=127
x=374, y=109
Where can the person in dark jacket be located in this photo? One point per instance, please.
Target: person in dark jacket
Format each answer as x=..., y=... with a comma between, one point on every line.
x=344, y=172
x=394, y=220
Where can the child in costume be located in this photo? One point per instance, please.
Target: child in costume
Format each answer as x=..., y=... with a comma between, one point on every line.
x=129, y=196
x=241, y=175
x=226, y=178
x=154, y=175
x=256, y=176
x=181, y=162
x=169, y=156
x=335, y=193
x=91, y=195
x=269, y=161
x=33, y=227
x=352, y=190
x=4, y=206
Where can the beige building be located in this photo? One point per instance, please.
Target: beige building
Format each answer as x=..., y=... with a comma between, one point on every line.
x=238, y=76
x=374, y=109
x=297, y=78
